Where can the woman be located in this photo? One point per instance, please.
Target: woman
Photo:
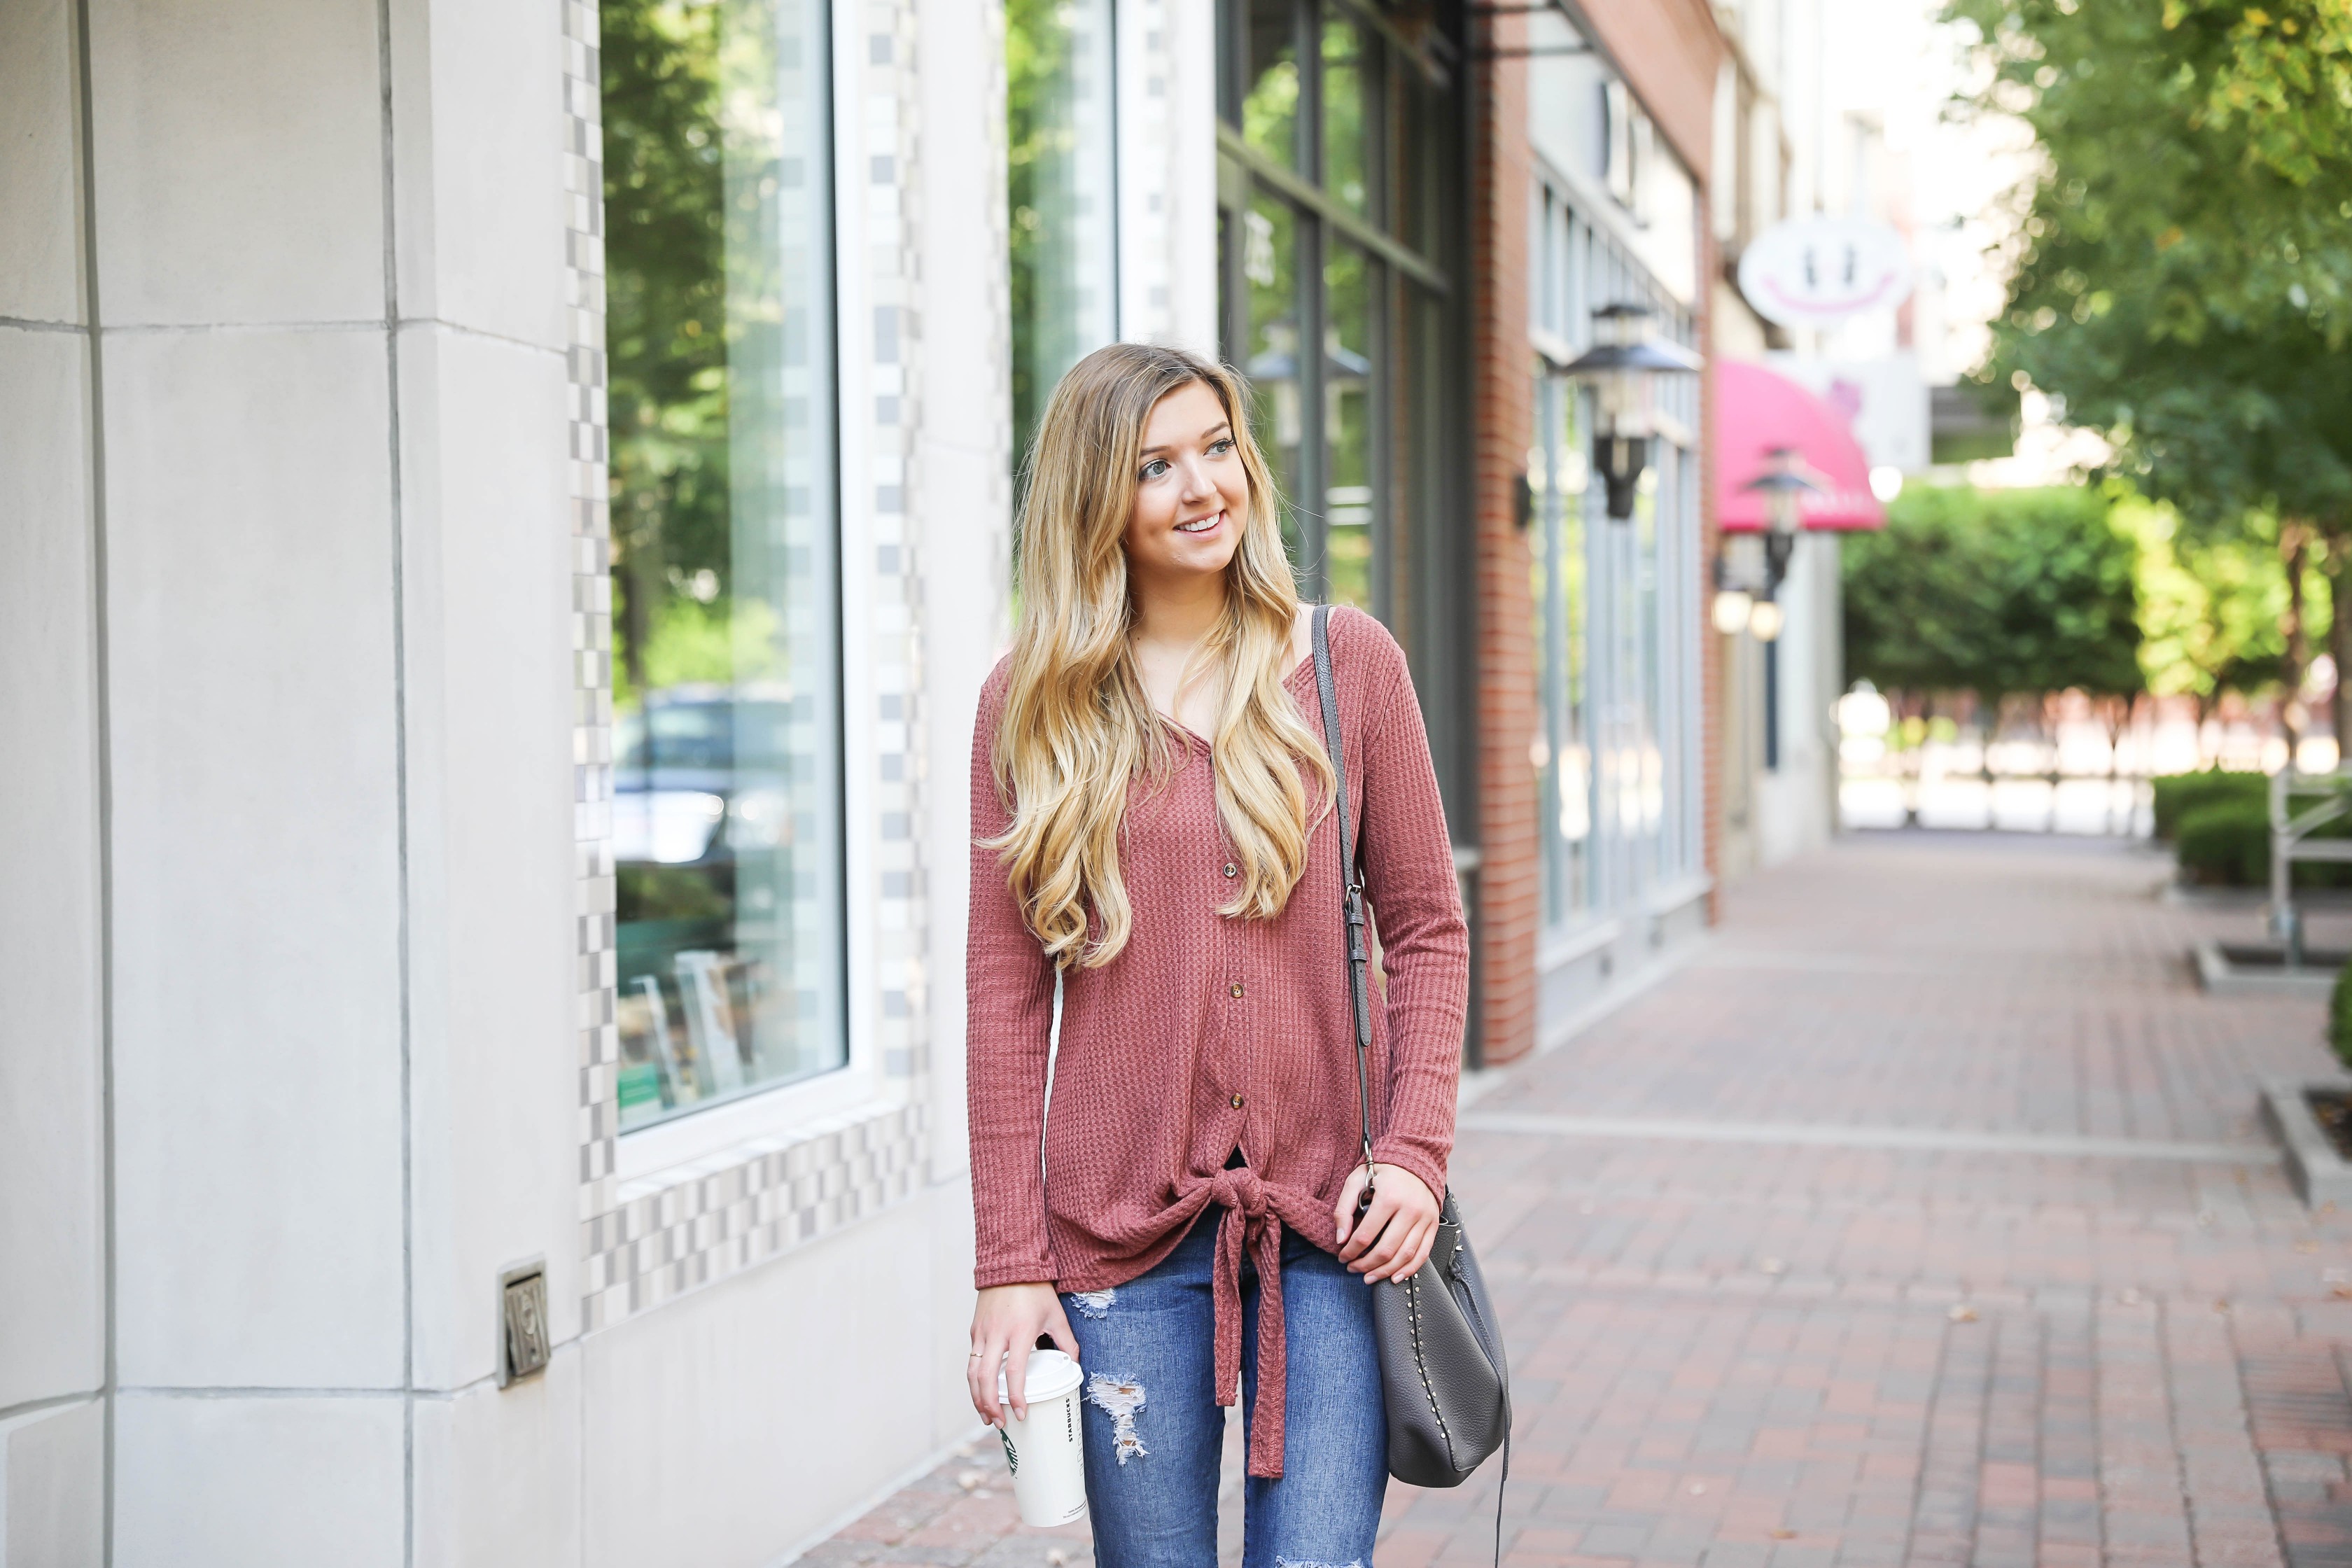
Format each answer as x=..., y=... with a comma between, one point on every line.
x=1151, y=820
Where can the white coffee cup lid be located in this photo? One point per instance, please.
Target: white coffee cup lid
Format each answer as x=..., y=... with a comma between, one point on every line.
x=1051, y=1374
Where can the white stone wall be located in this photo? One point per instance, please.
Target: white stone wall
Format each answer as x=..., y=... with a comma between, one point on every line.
x=53, y=1350
x=306, y=913
x=314, y=730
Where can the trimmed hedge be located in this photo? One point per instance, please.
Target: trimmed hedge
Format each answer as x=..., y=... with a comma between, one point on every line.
x=2177, y=794
x=2225, y=841
x=2221, y=833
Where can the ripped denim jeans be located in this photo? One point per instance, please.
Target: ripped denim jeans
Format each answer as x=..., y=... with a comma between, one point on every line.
x=1154, y=1430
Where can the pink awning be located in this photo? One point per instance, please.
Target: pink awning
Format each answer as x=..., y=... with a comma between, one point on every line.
x=1757, y=410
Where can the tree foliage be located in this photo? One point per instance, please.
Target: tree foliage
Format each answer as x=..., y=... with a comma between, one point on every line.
x=1995, y=592
x=2286, y=76
x=2200, y=143
x=1042, y=152
x=665, y=280
x=2180, y=278
x=2213, y=608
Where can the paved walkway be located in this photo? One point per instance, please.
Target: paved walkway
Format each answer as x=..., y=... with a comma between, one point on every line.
x=1922, y=1216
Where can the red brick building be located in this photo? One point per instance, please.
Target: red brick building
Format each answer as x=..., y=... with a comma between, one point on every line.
x=1589, y=134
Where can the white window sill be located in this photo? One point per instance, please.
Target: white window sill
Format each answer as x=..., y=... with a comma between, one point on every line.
x=1668, y=896
x=1579, y=941
x=727, y=1135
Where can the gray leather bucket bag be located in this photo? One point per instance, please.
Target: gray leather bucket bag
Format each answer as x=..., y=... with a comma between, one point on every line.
x=1442, y=1368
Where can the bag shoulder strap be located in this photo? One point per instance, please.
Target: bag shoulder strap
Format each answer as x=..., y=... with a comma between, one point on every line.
x=1360, y=958
x=1352, y=878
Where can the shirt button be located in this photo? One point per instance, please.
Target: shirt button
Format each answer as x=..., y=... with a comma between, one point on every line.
x=1237, y=988
x=1237, y=1102
x=1231, y=869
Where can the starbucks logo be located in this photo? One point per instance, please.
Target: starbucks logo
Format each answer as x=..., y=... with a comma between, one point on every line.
x=1011, y=1454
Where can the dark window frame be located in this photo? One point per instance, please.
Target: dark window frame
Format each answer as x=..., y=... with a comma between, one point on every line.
x=1422, y=572
x=1402, y=277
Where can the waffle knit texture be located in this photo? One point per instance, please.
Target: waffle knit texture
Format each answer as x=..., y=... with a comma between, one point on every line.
x=1210, y=1032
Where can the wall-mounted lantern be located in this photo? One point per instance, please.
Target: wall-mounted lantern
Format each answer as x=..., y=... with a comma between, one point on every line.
x=1782, y=487
x=1622, y=367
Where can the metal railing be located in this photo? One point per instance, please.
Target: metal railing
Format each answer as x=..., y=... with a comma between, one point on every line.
x=2292, y=841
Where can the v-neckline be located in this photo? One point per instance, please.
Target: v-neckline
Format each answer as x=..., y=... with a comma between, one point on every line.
x=1191, y=735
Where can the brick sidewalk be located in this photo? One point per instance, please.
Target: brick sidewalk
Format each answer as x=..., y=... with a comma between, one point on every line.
x=1921, y=1218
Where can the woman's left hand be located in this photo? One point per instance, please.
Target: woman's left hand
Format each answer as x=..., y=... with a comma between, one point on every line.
x=1395, y=1234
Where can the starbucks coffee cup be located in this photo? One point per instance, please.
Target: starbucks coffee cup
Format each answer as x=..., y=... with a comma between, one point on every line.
x=1049, y=1469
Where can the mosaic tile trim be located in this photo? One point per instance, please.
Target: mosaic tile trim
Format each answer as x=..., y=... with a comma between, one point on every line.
x=592, y=604
x=697, y=1224
x=1143, y=125
x=893, y=773
x=647, y=1240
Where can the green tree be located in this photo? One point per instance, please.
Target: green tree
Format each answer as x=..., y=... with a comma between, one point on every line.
x=1043, y=150
x=2181, y=272
x=665, y=281
x=2205, y=139
x=2000, y=593
x=2247, y=432
x=2212, y=609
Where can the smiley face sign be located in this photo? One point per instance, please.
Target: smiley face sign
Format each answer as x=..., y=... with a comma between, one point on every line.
x=1818, y=271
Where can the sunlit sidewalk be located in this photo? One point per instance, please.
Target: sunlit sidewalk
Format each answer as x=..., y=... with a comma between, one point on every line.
x=1922, y=1218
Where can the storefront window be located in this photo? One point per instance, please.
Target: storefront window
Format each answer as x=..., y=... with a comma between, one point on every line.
x=1269, y=265
x=1349, y=376
x=1315, y=275
x=1269, y=108
x=1350, y=129
x=727, y=829
x=1563, y=763
x=1061, y=175
x=1643, y=765
x=1615, y=607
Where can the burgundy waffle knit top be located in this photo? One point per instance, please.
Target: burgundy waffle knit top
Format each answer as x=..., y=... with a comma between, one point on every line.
x=1211, y=1032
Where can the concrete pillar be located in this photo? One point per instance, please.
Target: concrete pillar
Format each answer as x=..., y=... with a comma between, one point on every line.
x=252, y=753
x=52, y=1059
x=286, y=928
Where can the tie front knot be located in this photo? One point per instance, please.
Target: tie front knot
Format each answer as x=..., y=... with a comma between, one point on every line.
x=1237, y=1188
x=1252, y=1226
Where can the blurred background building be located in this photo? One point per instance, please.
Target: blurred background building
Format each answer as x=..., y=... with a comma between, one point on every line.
x=511, y=512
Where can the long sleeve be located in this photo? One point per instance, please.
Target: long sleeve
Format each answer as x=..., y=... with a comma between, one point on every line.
x=1009, y=1007
x=1417, y=906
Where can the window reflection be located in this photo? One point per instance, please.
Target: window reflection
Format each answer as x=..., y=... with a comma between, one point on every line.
x=1348, y=279
x=1270, y=269
x=1618, y=601
x=1564, y=754
x=1058, y=154
x=1320, y=313
x=1349, y=128
x=1270, y=87
x=1647, y=775
x=726, y=812
x=1422, y=182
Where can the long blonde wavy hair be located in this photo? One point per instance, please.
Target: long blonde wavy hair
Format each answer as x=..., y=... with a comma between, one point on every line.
x=1077, y=730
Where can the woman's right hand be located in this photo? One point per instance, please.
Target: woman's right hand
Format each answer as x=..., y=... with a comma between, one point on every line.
x=1006, y=1323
